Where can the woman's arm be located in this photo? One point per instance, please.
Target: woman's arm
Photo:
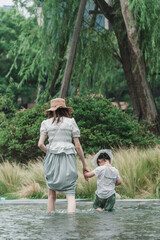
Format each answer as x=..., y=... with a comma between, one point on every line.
x=41, y=143
x=80, y=153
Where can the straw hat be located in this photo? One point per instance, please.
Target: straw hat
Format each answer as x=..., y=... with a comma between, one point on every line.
x=108, y=151
x=58, y=103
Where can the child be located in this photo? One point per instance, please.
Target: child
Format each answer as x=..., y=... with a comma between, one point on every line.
x=107, y=178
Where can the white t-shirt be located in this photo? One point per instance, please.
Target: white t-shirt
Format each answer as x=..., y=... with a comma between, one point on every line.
x=106, y=179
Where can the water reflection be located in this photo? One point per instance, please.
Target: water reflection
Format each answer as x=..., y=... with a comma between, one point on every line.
x=128, y=221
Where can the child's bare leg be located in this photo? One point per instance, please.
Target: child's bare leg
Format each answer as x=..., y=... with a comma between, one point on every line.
x=51, y=200
x=71, y=203
x=99, y=209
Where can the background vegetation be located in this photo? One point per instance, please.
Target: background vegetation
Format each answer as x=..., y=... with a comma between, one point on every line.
x=33, y=57
x=11, y=26
x=101, y=125
x=139, y=170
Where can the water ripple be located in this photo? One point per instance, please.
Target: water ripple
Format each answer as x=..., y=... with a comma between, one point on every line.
x=128, y=221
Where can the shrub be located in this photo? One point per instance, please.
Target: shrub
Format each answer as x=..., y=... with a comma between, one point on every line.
x=19, y=136
x=7, y=107
x=101, y=125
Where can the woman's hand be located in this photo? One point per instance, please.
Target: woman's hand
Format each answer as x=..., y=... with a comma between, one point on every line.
x=85, y=170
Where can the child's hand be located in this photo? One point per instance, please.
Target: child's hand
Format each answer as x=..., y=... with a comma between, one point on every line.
x=85, y=175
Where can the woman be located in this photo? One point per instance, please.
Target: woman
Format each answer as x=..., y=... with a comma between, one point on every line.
x=60, y=163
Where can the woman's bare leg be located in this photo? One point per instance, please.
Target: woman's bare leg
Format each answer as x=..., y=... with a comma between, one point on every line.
x=71, y=203
x=51, y=200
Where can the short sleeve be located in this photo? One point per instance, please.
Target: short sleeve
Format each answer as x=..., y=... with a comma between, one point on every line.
x=118, y=176
x=75, y=129
x=43, y=129
x=96, y=171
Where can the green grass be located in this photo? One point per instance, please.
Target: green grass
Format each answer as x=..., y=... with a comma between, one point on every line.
x=9, y=196
x=38, y=195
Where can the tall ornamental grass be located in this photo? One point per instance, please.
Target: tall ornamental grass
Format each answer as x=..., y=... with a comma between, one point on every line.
x=34, y=184
x=139, y=171
x=11, y=175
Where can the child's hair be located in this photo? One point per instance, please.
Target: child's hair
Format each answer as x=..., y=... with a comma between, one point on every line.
x=104, y=156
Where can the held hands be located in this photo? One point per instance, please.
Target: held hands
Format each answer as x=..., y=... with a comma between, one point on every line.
x=85, y=170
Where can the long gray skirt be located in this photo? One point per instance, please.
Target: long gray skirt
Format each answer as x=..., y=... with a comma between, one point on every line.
x=60, y=172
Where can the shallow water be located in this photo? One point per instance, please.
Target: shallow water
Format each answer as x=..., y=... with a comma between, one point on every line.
x=130, y=220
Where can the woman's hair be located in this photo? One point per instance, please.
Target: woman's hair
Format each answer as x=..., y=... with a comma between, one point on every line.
x=104, y=156
x=60, y=112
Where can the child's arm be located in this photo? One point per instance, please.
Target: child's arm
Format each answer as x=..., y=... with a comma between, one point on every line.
x=89, y=174
x=118, y=182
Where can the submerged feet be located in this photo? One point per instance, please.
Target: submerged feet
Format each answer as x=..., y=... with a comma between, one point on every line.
x=52, y=199
x=99, y=209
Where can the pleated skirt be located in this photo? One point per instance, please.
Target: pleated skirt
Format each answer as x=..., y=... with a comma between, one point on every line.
x=60, y=172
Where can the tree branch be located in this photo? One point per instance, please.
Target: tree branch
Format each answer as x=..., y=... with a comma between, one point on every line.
x=117, y=55
x=93, y=20
x=106, y=9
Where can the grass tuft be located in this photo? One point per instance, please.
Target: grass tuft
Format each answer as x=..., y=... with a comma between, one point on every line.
x=11, y=175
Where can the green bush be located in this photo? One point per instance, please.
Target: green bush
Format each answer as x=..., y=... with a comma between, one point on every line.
x=7, y=107
x=101, y=125
x=19, y=135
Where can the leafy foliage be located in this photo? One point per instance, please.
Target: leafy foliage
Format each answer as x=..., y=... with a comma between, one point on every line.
x=146, y=14
x=10, y=30
x=7, y=107
x=19, y=136
x=97, y=68
x=101, y=125
x=40, y=51
x=44, y=49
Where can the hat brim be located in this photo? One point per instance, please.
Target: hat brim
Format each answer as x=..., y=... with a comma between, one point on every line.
x=108, y=151
x=55, y=108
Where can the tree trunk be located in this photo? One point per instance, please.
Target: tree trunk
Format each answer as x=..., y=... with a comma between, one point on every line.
x=132, y=61
x=70, y=61
x=56, y=70
x=63, y=44
x=143, y=90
